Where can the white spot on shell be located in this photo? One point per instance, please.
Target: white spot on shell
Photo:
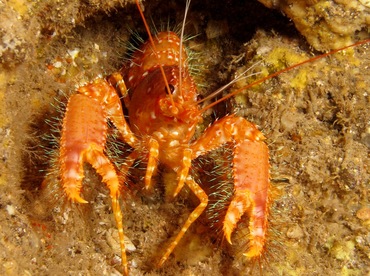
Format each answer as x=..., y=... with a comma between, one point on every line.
x=71, y=173
x=174, y=143
x=240, y=207
x=257, y=232
x=110, y=175
x=131, y=139
x=231, y=218
x=158, y=134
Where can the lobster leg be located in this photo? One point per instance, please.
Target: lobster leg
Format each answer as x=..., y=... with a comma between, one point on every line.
x=183, y=176
x=202, y=196
x=127, y=164
x=105, y=169
x=251, y=176
x=152, y=161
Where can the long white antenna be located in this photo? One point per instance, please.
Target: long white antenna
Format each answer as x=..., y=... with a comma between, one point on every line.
x=187, y=5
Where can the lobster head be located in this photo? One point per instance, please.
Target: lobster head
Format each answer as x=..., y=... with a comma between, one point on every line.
x=163, y=95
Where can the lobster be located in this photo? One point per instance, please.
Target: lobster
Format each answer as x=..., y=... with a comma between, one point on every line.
x=164, y=112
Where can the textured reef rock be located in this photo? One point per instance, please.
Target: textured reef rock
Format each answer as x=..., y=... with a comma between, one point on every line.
x=327, y=24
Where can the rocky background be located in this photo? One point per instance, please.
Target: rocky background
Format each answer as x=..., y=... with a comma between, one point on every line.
x=316, y=120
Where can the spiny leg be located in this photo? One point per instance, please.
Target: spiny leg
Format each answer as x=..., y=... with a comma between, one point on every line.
x=117, y=81
x=127, y=164
x=152, y=161
x=202, y=196
x=186, y=163
x=106, y=170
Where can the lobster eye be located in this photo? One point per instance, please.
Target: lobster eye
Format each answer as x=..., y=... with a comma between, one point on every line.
x=172, y=89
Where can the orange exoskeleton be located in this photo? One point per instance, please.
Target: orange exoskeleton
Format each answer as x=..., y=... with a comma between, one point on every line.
x=163, y=114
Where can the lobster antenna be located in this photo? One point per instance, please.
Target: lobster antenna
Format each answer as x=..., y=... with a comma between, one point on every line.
x=283, y=71
x=243, y=75
x=187, y=5
x=173, y=107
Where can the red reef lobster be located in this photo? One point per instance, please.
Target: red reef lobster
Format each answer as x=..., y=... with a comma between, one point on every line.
x=164, y=113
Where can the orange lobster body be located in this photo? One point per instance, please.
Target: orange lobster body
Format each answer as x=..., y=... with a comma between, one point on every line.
x=150, y=109
x=163, y=114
